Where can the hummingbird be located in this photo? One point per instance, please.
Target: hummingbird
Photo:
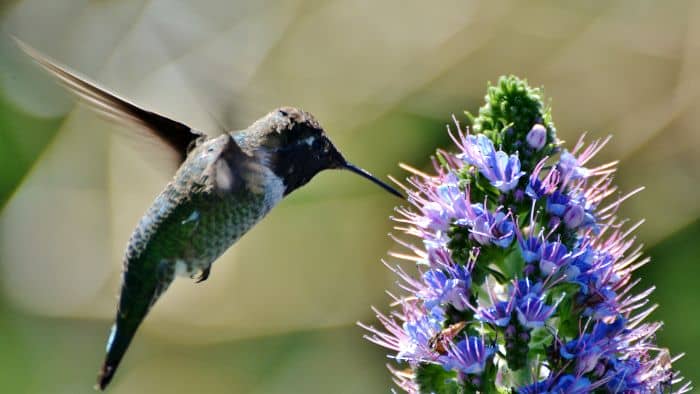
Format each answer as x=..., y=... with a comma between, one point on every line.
x=223, y=187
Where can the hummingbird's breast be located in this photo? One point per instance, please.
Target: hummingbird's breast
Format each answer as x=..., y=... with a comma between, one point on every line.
x=218, y=194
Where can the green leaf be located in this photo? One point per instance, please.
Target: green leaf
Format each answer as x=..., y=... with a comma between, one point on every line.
x=433, y=379
x=513, y=264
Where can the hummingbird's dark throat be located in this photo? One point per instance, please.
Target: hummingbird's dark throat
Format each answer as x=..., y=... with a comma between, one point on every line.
x=298, y=163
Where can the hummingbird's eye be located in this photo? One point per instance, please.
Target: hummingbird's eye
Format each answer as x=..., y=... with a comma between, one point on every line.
x=283, y=113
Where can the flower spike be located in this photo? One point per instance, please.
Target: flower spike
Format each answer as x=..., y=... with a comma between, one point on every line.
x=524, y=281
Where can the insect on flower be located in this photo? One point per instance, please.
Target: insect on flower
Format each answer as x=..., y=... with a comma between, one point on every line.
x=441, y=339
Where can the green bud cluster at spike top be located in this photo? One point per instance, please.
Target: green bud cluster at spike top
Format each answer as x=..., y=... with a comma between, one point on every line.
x=525, y=273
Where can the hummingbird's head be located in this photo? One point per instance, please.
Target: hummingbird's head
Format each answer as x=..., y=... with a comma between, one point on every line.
x=298, y=148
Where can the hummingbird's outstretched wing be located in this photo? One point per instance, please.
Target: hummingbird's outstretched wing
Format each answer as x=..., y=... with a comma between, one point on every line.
x=177, y=136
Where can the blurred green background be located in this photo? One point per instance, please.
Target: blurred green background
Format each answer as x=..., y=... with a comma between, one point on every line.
x=383, y=77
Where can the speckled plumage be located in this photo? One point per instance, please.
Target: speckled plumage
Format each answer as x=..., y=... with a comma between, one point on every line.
x=219, y=193
x=196, y=218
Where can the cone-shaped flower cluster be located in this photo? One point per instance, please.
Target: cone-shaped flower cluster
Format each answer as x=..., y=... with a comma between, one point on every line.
x=524, y=279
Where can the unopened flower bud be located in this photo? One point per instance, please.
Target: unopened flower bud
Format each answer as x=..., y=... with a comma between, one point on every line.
x=573, y=216
x=537, y=137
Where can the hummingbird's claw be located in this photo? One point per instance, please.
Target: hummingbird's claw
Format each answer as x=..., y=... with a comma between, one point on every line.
x=204, y=275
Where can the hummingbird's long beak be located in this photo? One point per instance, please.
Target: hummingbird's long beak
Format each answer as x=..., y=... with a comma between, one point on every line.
x=359, y=171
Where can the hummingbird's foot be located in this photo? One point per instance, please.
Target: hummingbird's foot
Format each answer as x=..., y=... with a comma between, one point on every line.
x=204, y=275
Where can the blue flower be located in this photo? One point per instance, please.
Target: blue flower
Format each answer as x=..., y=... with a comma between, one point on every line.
x=436, y=216
x=530, y=306
x=503, y=230
x=498, y=314
x=570, y=384
x=569, y=167
x=556, y=203
x=448, y=203
x=468, y=356
x=584, y=351
x=443, y=289
x=554, y=256
x=497, y=229
x=603, y=330
x=564, y=384
x=601, y=303
x=502, y=170
x=536, y=388
x=531, y=248
x=525, y=288
x=533, y=312
x=537, y=188
x=625, y=376
x=419, y=332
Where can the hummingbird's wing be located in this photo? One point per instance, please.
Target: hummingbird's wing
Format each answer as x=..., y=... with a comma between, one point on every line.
x=177, y=136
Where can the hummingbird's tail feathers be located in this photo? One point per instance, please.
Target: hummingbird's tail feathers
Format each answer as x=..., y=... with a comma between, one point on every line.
x=118, y=343
x=177, y=136
x=135, y=301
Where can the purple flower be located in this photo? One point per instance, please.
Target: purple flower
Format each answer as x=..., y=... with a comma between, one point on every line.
x=419, y=333
x=625, y=376
x=601, y=303
x=525, y=288
x=498, y=314
x=531, y=248
x=436, y=216
x=481, y=229
x=584, y=351
x=588, y=351
x=497, y=229
x=410, y=340
x=447, y=287
x=502, y=170
x=537, y=188
x=447, y=203
x=592, y=266
x=537, y=136
x=503, y=230
x=570, y=168
x=554, y=256
x=645, y=374
x=533, y=312
x=468, y=356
